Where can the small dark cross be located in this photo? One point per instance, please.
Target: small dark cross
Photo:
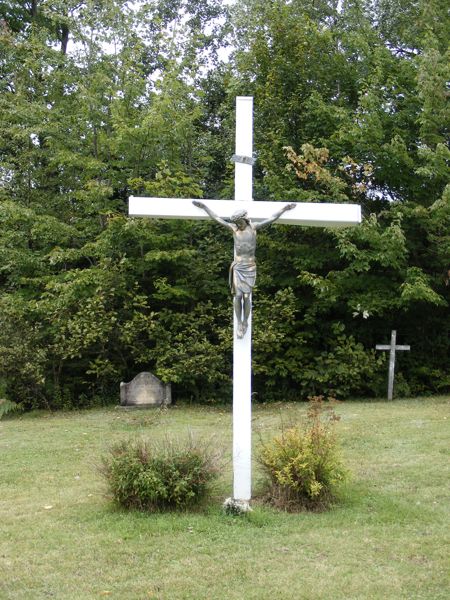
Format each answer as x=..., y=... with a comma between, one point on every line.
x=392, y=348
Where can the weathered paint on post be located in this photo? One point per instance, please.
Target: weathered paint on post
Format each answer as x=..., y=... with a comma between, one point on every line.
x=392, y=349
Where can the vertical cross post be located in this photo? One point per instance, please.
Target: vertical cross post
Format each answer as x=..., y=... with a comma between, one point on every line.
x=392, y=349
x=242, y=353
x=392, y=365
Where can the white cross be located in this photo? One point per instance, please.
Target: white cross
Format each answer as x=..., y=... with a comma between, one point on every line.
x=392, y=348
x=307, y=214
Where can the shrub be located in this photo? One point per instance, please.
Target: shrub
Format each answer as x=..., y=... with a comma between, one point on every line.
x=8, y=406
x=164, y=476
x=302, y=463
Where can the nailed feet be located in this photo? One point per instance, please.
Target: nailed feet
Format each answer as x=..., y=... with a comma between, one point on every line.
x=242, y=329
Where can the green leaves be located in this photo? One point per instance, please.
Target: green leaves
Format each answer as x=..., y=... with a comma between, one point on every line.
x=302, y=464
x=158, y=477
x=416, y=288
x=372, y=244
x=102, y=101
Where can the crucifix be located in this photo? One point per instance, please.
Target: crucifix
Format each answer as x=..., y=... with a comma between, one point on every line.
x=392, y=347
x=243, y=216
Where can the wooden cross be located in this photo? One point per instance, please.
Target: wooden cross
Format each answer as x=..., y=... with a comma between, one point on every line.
x=392, y=348
x=306, y=214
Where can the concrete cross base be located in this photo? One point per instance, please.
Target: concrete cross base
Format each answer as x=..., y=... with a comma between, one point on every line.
x=231, y=506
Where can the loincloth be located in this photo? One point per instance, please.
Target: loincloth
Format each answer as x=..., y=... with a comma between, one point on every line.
x=242, y=277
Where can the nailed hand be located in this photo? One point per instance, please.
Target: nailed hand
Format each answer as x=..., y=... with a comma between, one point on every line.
x=198, y=204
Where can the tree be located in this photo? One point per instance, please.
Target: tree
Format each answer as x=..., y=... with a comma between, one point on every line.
x=353, y=103
x=101, y=100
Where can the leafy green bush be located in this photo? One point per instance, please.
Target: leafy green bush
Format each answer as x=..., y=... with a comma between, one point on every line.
x=302, y=463
x=8, y=406
x=164, y=476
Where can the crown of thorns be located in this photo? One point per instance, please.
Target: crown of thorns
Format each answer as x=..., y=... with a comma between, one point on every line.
x=239, y=214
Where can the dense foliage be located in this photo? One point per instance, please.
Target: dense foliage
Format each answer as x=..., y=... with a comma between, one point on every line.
x=302, y=464
x=164, y=476
x=102, y=100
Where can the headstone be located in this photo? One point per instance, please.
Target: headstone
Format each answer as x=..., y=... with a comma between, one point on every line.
x=145, y=390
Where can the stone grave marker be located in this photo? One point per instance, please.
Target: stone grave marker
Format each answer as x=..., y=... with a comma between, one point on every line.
x=145, y=390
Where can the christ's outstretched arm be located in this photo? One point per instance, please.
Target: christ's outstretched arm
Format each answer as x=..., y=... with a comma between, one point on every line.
x=274, y=217
x=212, y=214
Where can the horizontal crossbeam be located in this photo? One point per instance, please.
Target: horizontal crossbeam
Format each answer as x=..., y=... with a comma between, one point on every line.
x=309, y=214
x=385, y=347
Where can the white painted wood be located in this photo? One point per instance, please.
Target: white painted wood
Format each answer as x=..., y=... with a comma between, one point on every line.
x=243, y=174
x=242, y=414
x=309, y=214
x=242, y=348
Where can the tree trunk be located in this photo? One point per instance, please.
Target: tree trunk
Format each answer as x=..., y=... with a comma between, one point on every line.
x=34, y=8
x=64, y=39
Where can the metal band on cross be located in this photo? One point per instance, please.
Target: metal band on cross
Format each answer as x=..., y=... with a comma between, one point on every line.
x=245, y=160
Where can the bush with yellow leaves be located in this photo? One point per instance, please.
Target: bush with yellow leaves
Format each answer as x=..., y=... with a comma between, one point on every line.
x=302, y=464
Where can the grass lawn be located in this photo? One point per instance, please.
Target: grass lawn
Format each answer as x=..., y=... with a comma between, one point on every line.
x=389, y=536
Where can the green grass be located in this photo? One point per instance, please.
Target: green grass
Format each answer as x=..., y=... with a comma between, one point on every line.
x=388, y=538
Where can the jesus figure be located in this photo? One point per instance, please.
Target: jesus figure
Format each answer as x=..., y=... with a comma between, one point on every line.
x=243, y=267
